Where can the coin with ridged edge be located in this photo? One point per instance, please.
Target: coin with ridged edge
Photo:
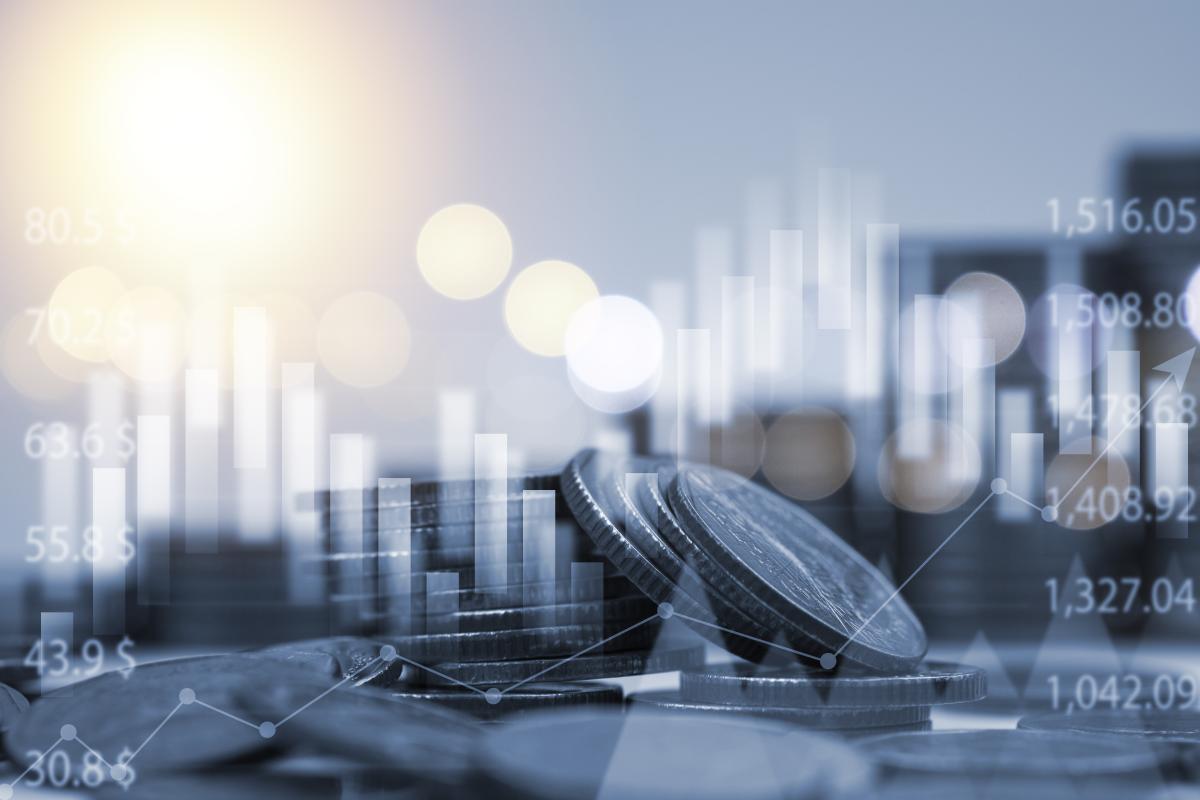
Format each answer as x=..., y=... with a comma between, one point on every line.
x=665, y=658
x=523, y=700
x=554, y=640
x=769, y=548
x=809, y=717
x=931, y=683
x=1171, y=725
x=594, y=487
x=618, y=612
x=459, y=490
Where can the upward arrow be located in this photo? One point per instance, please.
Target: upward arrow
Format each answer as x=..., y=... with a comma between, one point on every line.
x=1178, y=366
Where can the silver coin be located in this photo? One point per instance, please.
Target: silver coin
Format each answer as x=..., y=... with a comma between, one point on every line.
x=594, y=488
x=1181, y=726
x=13, y=706
x=666, y=658
x=122, y=711
x=768, y=547
x=931, y=683
x=367, y=725
x=615, y=614
x=616, y=587
x=652, y=754
x=557, y=640
x=437, y=492
x=353, y=658
x=1012, y=753
x=809, y=717
x=526, y=699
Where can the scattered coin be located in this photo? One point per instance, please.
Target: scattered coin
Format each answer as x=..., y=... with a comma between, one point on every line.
x=931, y=683
x=759, y=544
x=660, y=755
x=1012, y=753
x=523, y=700
x=809, y=717
x=558, y=640
x=13, y=705
x=349, y=657
x=583, y=667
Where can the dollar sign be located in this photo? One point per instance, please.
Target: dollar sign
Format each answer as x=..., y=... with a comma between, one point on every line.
x=122, y=758
x=125, y=444
x=123, y=649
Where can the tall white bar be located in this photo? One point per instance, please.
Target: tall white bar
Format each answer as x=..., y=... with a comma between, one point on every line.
x=694, y=398
x=347, y=479
x=252, y=425
x=394, y=510
x=667, y=303
x=456, y=430
x=1028, y=467
x=1171, y=480
x=785, y=277
x=979, y=397
x=491, y=512
x=154, y=508
x=1074, y=385
x=834, y=237
x=109, y=529
x=764, y=215
x=927, y=375
x=60, y=510
x=201, y=427
x=301, y=433
x=538, y=556
x=881, y=293
x=1014, y=416
x=736, y=386
x=714, y=260
x=1122, y=398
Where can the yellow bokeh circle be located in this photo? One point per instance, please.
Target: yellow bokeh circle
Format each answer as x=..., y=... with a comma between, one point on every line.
x=77, y=315
x=363, y=339
x=464, y=251
x=541, y=301
x=146, y=334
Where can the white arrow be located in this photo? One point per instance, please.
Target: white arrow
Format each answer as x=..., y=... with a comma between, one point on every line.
x=1177, y=368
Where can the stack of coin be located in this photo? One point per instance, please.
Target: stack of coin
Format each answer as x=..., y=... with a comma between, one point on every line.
x=856, y=704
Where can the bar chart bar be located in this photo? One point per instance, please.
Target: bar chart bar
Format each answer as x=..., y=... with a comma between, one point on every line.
x=667, y=303
x=979, y=398
x=1122, y=398
x=1074, y=387
x=1014, y=416
x=1173, y=498
x=456, y=426
x=60, y=510
x=1027, y=468
x=109, y=531
x=251, y=425
x=395, y=549
x=201, y=500
x=694, y=399
x=300, y=426
x=346, y=526
x=538, y=556
x=154, y=508
x=491, y=513
x=441, y=602
x=834, y=236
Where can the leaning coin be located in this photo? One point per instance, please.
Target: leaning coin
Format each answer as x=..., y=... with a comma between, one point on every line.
x=351, y=658
x=365, y=724
x=931, y=683
x=811, y=717
x=661, y=755
x=1012, y=753
x=557, y=640
x=609, y=665
x=759, y=544
x=159, y=710
x=594, y=488
x=523, y=700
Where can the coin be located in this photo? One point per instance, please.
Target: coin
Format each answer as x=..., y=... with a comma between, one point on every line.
x=931, y=683
x=350, y=657
x=1011, y=753
x=620, y=612
x=653, y=754
x=13, y=705
x=122, y=711
x=594, y=488
x=523, y=700
x=366, y=724
x=441, y=491
x=557, y=640
x=511, y=509
x=1174, y=734
x=809, y=717
x=588, y=666
x=758, y=544
x=615, y=587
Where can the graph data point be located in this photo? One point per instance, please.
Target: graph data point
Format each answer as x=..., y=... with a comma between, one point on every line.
x=67, y=732
x=266, y=730
x=5, y=791
x=187, y=696
x=999, y=486
x=828, y=661
x=1049, y=513
x=118, y=772
x=387, y=653
x=493, y=695
x=666, y=610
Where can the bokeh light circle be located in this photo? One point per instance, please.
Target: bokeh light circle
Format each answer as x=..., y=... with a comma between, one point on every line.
x=77, y=315
x=363, y=339
x=146, y=334
x=614, y=348
x=985, y=307
x=540, y=302
x=810, y=453
x=929, y=466
x=1192, y=292
x=464, y=251
x=1100, y=495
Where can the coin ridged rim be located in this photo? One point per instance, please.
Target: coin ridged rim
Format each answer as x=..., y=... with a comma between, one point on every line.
x=427, y=492
x=626, y=610
x=607, y=665
x=524, y=699
x=755, y=585
x=1117, y=723
x=932, y=683
x=640, y=569
x=812, y=717
x=549, y=641
x=545, y=591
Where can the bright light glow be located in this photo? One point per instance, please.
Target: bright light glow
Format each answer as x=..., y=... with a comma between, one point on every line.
x=541, y=301
x=79, y=310
x=27, y=373
x=146, y=334
x=464, y=251
x=983, y=306
x=614, y=353
x=363, y=339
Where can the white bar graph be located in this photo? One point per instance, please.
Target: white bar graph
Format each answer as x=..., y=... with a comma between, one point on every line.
x=201, y=500
x=881, y=294
x=1027, y=467
x=979, y=397
x=736, y=385
x=109, y=529
x=491, y=512
x=538, y=555
x=1014, y=416
x=456, y=429
x=301, y=432
x=785, y=278
x=441, y=602
x=60, y=510
x=347, y=479
x=834, y=237
x=694, y=398
x=250, y=353
x=1173, y=497
x=667, y=303
x=395, y=546
x=1122, y=398
x=154, y=508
